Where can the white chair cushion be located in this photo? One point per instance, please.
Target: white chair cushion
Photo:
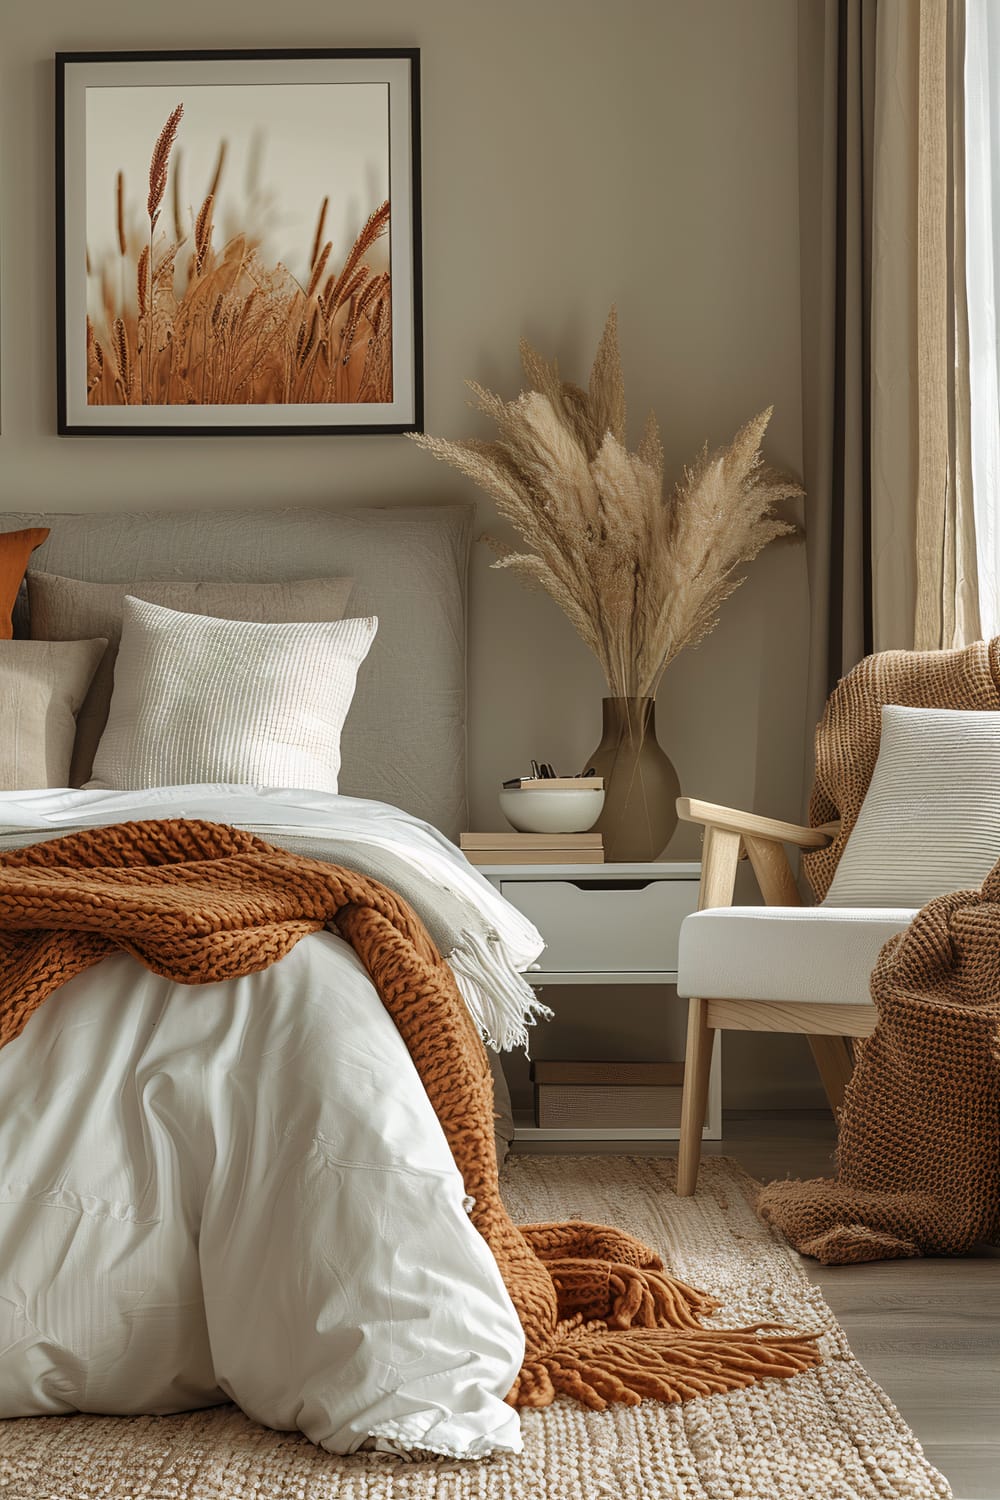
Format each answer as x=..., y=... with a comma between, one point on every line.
x=930, y=821
x=812, y=953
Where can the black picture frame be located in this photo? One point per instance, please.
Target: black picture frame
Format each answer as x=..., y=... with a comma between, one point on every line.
x=157, y=349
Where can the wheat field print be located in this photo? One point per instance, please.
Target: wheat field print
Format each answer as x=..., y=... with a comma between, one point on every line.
x=238, y=246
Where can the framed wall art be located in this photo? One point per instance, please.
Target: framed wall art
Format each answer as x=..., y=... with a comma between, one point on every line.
x=238, y=242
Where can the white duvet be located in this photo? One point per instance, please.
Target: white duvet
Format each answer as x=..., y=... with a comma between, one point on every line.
x=241, y=1191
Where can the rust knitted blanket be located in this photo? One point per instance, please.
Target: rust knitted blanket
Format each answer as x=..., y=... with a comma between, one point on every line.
x=199, y=902
x=918, y=1153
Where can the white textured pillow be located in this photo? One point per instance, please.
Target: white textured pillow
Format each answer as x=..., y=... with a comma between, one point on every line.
x=930, y=821
x=42, y=684
x=199, y=700
x=72, y=609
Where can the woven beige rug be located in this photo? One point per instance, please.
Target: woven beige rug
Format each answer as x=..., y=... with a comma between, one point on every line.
x=829, y=1434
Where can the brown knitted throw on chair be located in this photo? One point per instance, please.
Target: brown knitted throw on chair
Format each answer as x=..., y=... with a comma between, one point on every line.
x=918, y=1153
x=918, y=1149
x=199, y=902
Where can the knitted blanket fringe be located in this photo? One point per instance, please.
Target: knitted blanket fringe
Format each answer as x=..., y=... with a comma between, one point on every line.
x=199, y=902
x=918, y=1152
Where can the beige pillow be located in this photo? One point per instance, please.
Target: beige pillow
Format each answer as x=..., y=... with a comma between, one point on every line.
x=42, y=685
x=204, y=700
x=70, y=609
x=930, y=821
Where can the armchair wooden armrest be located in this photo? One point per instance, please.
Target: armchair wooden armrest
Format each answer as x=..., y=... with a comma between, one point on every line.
x=733, y=821
x=727, y=830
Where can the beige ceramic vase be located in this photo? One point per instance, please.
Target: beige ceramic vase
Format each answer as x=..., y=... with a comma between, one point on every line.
x=640, y=784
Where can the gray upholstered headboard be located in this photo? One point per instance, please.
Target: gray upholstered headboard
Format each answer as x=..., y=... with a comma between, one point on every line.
x=404, y=741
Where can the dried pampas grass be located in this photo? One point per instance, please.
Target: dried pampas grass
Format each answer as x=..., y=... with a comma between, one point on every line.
x=640, y=574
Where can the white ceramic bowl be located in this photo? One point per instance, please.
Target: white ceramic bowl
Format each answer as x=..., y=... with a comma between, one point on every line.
x=566, y=810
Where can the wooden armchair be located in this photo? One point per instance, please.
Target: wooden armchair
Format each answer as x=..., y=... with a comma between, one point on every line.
x=827, y=1022
x=785, y=966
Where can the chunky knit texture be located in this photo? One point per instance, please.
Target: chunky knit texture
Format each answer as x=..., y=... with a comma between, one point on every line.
x=918, y=1150
x=918, y=1155
x=199, y=902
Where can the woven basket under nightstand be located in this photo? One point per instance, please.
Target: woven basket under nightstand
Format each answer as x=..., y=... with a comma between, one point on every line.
x=607, y=1095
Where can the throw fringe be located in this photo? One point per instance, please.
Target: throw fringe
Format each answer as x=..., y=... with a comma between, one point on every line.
x=500, y=1001
x=628, y=1331
x=598, y=1367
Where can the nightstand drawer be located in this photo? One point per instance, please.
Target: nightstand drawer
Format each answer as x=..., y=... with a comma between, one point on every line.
x=612, y=925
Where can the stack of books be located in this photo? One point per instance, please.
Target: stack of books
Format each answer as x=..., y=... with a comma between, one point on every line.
x=532, y=848
x=556, y=784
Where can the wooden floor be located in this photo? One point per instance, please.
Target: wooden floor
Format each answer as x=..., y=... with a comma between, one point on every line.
x=927, y=1330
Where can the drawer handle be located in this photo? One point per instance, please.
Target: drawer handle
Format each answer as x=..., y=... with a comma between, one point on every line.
x=612, y=885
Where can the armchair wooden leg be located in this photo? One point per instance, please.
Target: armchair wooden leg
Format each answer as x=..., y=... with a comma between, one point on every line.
x=697, y=1066
x=832, y=1056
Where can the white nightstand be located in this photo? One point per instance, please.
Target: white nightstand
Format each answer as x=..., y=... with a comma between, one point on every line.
x=612, y=924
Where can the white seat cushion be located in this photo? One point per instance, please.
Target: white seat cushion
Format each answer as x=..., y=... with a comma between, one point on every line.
x=814, y=953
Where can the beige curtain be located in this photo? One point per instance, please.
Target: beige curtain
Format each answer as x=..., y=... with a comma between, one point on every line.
x=894, y=333
x=947, y=606
x=925, y=590
x=890, y=531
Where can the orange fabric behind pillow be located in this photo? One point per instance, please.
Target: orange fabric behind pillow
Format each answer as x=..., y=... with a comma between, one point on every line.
x=15, y=549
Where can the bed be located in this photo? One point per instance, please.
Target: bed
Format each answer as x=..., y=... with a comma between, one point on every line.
x=240, y=1191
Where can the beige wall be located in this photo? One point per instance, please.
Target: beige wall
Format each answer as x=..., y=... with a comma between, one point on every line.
x=574, y=154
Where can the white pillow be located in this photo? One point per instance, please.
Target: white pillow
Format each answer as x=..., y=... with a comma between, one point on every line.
x=930, y=822
x=200, y=700
x=74, y=609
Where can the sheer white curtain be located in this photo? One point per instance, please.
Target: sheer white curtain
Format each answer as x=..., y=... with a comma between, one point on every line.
x=982, y=203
